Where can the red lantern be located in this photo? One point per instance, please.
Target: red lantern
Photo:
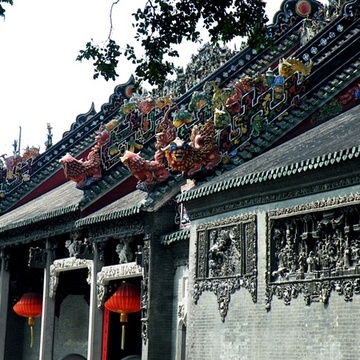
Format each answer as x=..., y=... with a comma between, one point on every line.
x=125, y=300
x=29, y=306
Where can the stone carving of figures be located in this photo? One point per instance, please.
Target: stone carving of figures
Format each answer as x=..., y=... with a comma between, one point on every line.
x=72, y=247
x=325, y=261
x=217, y=255
x=224, y=257
x=347, y=254
x=311, y=262
x=355, y=251
x=301, y=262
x=85, y=249
x=124, y=252
x=308, y=30
x=78, y=248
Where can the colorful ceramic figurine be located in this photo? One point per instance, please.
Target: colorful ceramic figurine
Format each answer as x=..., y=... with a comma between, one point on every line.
x=84, y=172
x=146, y=171
x=202, y=151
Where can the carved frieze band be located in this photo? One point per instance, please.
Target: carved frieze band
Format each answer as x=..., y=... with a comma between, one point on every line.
x=145, y=289
x=314, y=249
x=114, y=272
x=226, y=259
x=269, y=198
x=123, y=227
x=67, y=264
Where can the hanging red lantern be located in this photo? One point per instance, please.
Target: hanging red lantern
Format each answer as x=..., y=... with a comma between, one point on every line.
x=125, y=300
x=29, y=306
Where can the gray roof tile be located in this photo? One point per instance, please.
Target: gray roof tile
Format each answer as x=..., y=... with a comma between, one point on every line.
x=63, y=199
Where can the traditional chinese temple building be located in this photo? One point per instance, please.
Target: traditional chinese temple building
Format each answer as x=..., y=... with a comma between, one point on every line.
x=216, y=218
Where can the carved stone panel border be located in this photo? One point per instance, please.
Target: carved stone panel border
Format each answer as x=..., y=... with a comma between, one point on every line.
x=313, y=249
x=226, y=259
x=114, y=272
x=67, y=264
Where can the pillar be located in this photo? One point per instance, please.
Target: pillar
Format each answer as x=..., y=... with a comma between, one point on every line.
x=95, y=315
x=4, y=300
x=48, y=315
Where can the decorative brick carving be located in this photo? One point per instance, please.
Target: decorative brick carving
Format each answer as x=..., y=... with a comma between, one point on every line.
x=226, y=259
x=145, y=288
x=314, y=249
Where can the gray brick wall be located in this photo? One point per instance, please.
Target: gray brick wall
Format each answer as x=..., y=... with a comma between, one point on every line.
x=71, y=328
x=161, y=279
x=286, y=332
x=295, y=332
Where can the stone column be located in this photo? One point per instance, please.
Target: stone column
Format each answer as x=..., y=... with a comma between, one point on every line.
x=4, y=300
x=95, y=314
x=48, y=315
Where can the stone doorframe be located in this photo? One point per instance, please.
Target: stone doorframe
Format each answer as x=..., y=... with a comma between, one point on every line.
x=67, y=264
x=115, y=272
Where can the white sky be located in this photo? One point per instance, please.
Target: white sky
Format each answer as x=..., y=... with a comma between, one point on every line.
x=40, y=81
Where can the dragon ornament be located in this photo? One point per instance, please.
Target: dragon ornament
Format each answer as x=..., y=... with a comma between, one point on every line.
x=288, y=67
x=150, y=172
x=175, y=154
x=188, y=143
x=200, y=152
x=84, y=172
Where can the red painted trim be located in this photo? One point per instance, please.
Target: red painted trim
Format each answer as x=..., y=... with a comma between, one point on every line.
x=105, y=334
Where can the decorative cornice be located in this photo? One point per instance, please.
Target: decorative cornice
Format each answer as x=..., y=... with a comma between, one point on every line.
x=124, y=227
x=278, y=196
x=323, y=204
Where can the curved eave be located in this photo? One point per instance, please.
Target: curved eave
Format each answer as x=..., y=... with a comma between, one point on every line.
x=176, y=236
x=62, y=200
x=272, y=174
x=131, y=204
x=36, y=219
x=91, y=220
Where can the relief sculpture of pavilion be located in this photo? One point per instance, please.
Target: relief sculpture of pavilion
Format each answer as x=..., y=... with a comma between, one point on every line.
x=314, y=249
x=226, y=259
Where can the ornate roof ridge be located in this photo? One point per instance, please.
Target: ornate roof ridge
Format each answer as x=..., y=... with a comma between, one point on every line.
x=77, y=140
x=245, y=63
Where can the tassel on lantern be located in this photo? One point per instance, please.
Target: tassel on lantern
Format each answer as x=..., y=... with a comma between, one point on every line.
x=125, y=300
x=29, y=306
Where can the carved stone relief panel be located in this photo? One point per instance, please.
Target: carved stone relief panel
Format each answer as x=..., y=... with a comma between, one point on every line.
x=226, y=259
x=314, y=249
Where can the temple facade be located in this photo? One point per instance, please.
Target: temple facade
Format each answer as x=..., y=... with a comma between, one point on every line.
x=217, y=217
